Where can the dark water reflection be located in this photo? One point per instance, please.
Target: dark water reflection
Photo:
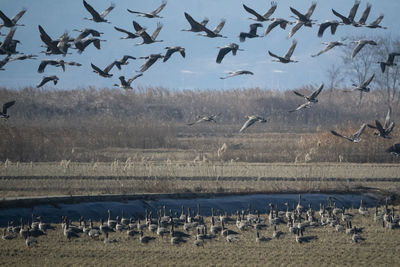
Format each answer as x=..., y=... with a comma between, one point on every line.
x=136, y=208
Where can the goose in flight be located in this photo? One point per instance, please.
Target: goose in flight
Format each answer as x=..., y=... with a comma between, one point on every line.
x=252, y=32
x=259, y=17
x=225, y=50
x=364, y=16
x=275, y=22
x=355, y=138
x=375, y=23
x=173, y=49
x=57, y=63
x=214, y=33
x=208, y=118
x=23, y=57
x=236, y=73
x=302, y=19
x=9, y=45
x=52, y=45
x=103, y=73
x=86, y=31
x=152, y=14
x=129, y=35
x=147, y=39
x=195, y=26
x=151, y=59
x=308, y=104
x=394, y=149
x=251, y=120
x=350, y=18
x=83, y=43
x=328, y=47
x=311, y=99
x=360, y=45
x=286, y=58
x=389, y=61
x=6, y=106
x=363, y=87
x=96, y=17
x=46, y=79
x=9, y=23
x=126, y=84
x=331, y=23
x=385, y=130
x=123, y=61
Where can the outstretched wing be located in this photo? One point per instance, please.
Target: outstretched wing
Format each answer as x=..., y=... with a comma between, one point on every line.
x=323, y=27
x=343, y=18
x=387, y=119
x=42, y=66
x=297, y=93
x=194, y=24
x=222, y=52
x=247, y=124
x=353, y=11
x=219, y=26
x=299, y=107
x=317, y=92
x=124, y=31
x=137, y=26
x=367, y=82
x=311, y=10
x=158, y=10
x=92, y=11
x=5, y=18
x=134, y=77
x=357, y=49
x=360, y=131
x=271, y=10
x=291, y=50
x=95, y=68
x=338, y=134
x=157, y=31
x=7, y=105
x=108, y=10
x=271, y=26
x=19, y=15
x=296, y=28
x=379, y=127
x=298, y=14
x=109, y=67
x=377, y=21
x=253, y=12
x=168, y=54
x=365, y=14
x=273, y=55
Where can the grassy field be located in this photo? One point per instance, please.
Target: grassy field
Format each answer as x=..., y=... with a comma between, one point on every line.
x=381, y=247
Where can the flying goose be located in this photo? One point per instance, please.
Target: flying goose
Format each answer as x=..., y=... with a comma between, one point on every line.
x=364, y=16
x=123, y=61
x=328, y=47
x=208, y=118
x=127, y=84
x=52, y=45
x=7, y=105
x=236, y=73
x=81, y=44
x=352, y=13
x=9, y=45
x=389, y=61
x=225, y=50
x=355, y=138
x=86, y=31
x=46, y=79
x=195, y=26
x=275, y=22
x=363, y=86
x=23, y=57
x=259, y=17
x=286, y=58
x=103, y=73
x=323, y=26
x=215, y=32
x=147, y=39
x=360, y=45
x=302, y=19
x=375, y=23
x=96, y=17
x=173, y=49
x=312, y=97
x=129, y=35
x=151, y=59
x=394, y=149
x=251, y=120
x=252, y=32
x=386, y=129
x=7, y=22
x=152, y=14
x=57, y=63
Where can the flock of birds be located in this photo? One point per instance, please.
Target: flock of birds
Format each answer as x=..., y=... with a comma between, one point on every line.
x=194, y=226
x=86, y=37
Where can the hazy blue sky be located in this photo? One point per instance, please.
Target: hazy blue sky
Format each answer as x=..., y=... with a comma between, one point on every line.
x=198, y=69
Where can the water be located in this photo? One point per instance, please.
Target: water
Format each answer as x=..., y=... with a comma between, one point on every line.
x=136, y=208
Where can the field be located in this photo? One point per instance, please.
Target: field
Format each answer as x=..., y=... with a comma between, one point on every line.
x=326, y=247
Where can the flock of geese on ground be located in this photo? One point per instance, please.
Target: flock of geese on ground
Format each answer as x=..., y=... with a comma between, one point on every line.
x=198, y=229
x=86, y=37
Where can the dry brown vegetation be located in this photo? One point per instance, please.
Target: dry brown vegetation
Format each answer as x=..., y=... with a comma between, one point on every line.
x=381, y=247
x=104, y=125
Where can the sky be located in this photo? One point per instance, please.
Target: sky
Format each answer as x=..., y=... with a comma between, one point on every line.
x=198, y=70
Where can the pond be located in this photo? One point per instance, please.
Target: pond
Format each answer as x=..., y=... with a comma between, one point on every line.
x=136, y=208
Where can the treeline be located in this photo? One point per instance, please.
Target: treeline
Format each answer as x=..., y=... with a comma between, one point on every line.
x=47, y=125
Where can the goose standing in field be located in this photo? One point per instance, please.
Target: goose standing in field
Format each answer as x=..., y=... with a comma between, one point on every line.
x=47, y=79
x=363, y=87
x=333, y=24
x=207, y=118
x=275, y=22
x=286, y=58
x=103, y=73
x=123, y=61
x=355, y=138
x=362, y=210
x=9, y=23
x=236, y=73
x=126, y=84
x=302, y=19
x=328, y=47
x=173, y=49
x=151, y=59
x=30, y=241
x=252, y=32
x=385, y=130
x=259, y=17
x=152, y=14
x=389, y=61
x=251, y=120
x=363, y=18
x=195, y=26
x=394, y=149
x=225, y=50
x=147, y=39
x=215, y=32
x=96, y=17
x=360, y=45
x=352, y=13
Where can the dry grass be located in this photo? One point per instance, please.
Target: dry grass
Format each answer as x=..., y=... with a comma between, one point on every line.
x=380, y=248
